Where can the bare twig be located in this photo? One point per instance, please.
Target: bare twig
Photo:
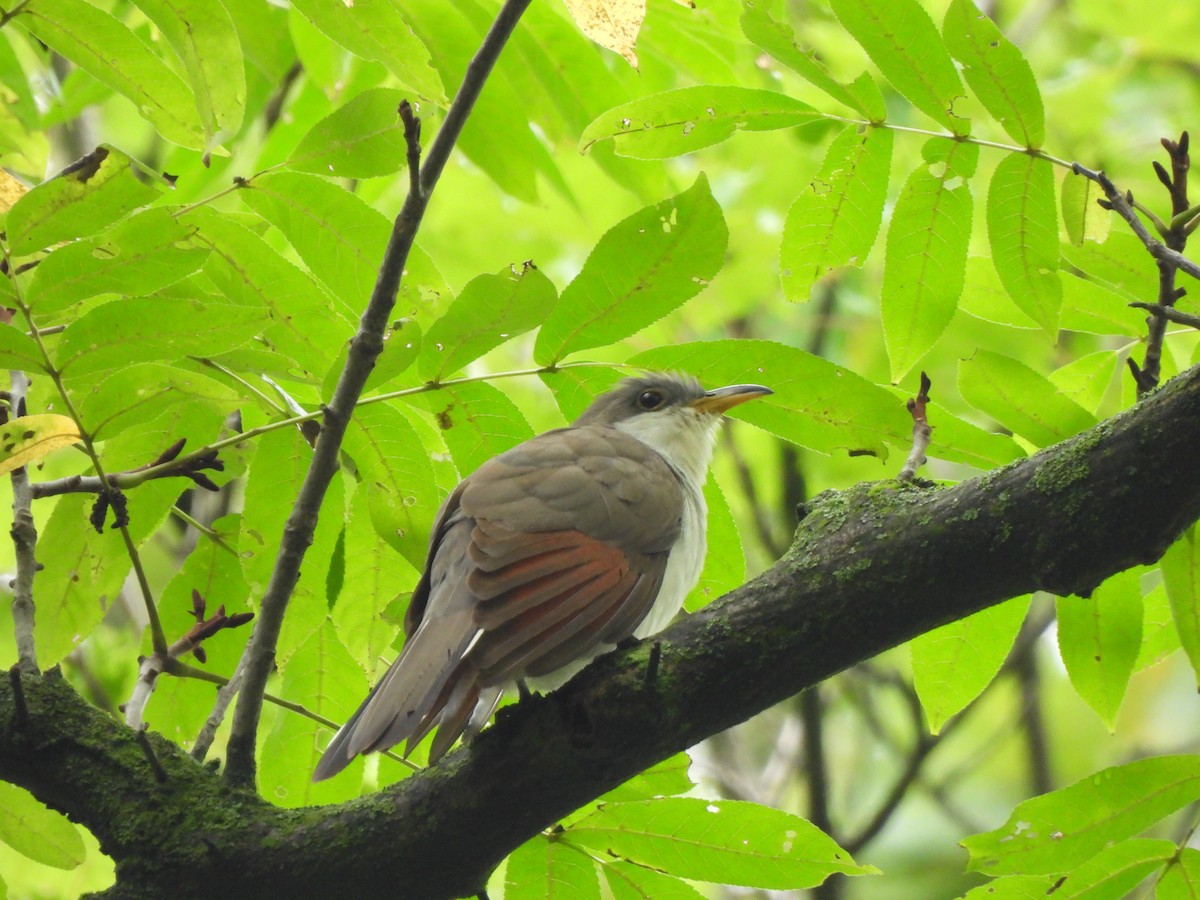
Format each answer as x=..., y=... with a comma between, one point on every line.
x=1120, y=205
x=1167, y=253
x=921, y=431
x=24, y=537
x=365, y=347
x=165, y=466
x=1170, y=313
x=154, y=665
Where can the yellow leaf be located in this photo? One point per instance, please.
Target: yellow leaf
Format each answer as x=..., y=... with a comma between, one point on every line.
x=613, y=24
x=12, y=189
x=30, y=438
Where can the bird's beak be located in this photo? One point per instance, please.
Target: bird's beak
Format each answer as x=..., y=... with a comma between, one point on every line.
x=723, y=399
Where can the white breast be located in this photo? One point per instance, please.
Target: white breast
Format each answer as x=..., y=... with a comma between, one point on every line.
x=683, y=565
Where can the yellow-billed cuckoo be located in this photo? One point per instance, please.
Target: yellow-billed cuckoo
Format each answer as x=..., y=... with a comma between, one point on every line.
x=547, y=556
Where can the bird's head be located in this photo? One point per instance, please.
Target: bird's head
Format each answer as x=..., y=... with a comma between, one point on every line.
x=672, y=413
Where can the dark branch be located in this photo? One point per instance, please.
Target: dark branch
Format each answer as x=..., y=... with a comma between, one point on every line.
x=869, y=569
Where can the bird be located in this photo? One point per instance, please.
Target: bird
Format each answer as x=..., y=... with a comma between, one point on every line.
x=547, y=556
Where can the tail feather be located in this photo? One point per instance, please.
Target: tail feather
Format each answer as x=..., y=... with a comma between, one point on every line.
x=406, y=695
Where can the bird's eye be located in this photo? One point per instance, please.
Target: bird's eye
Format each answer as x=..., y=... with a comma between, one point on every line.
x=650, y=399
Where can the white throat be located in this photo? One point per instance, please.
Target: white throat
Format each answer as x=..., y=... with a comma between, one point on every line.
x=681, y=435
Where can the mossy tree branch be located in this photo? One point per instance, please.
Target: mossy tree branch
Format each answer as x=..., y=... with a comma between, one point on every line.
x=869, y=569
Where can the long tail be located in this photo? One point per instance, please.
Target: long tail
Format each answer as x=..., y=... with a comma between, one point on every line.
x=412, y=696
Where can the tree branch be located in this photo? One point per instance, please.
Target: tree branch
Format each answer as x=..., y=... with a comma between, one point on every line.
x=24, y=538
x=364, y=349
x=870, y=568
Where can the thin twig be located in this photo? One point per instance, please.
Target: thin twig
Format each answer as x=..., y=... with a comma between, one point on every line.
x=1121, y=207
x=24, y=538
x=921, y=431
x=166, y=466
x=192, y=642
x=1170, y=313
x=365, y=347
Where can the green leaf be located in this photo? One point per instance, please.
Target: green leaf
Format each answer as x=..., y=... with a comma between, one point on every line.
x=1088, y=306
x=477, y=420
x=138, y=255
x=996, y=71
x=84, y=578
x=816, y=404
x=727, y=842
x=626, y=881
x=549, y=869
x=42, y=834
x=82, y=199
x=395, y=466
x=115, y=56
x=322, y=676
x=641, y=269
x=1113, y=872
x=835, y=219
x=338, y=235
x=1181, y=881
x=1086, y=379
x=490, y=310
x=574, y=388
x=902, y=40
x=1023, y=234
x=307, y=325
x=1181, y=576
x=1099, y=638
x=1120, y=262
x=668, y=778
x=360, y=139
x=180, y=706
x=18, y=350
x=375, y=576
x=926, y=260
x=688, y=119
x=1083, y=218
x=725, y=560
x=377, y=30
x=778, y=39
x=1058, y=831
x=1020, y=399
x=141, y=329
x=953, y=664
x=138, y=393
x=281, y=461
x=202, y=33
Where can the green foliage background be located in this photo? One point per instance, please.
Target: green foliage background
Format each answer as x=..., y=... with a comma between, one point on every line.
x=898, y=202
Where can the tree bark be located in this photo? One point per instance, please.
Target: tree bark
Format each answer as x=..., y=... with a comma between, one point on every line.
x=869, y=568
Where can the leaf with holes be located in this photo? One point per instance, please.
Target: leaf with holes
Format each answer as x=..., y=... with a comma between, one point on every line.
x=641, y=269
x=996, y=71
x=835, y=219
x=902, y=40
x=681, y=121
